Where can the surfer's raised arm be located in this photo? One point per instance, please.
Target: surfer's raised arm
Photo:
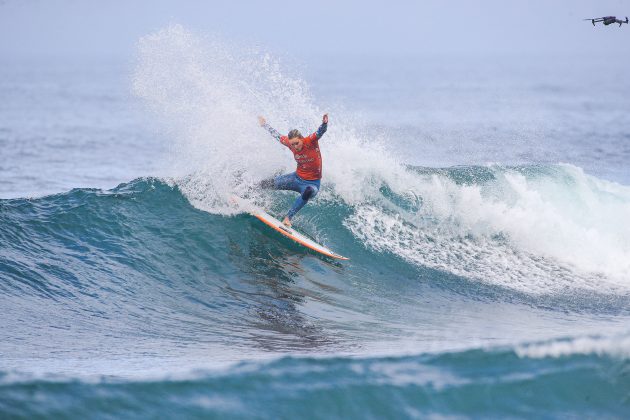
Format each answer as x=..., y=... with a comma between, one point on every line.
x=274, y=133
x=322, y=128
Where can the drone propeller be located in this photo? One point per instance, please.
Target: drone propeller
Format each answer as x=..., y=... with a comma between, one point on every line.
x=593, y=20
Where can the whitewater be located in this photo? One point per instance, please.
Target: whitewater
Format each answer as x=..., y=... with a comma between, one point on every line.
x=487, y=226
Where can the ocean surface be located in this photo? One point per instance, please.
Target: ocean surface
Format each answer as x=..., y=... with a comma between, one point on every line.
x=484, y=203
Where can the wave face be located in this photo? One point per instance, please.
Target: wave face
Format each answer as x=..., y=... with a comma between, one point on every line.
x=139, y=265
x=518, y=230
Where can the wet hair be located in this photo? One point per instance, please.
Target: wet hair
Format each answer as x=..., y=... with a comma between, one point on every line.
x=295, y=133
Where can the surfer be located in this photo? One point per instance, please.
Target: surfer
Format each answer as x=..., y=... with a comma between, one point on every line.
x=306, y=178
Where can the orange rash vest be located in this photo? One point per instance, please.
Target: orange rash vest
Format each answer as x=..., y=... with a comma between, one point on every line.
x=309, y=159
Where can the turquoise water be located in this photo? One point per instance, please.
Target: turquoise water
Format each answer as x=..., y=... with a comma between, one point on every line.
x=493, y=384
x=484, y=210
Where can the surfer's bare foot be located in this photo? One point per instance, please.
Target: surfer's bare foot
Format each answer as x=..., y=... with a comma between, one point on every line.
x=286, y=222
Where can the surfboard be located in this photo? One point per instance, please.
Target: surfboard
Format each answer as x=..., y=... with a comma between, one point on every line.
x=289, y=232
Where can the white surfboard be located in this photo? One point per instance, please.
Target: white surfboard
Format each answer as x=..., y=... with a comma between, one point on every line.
x=277, y=225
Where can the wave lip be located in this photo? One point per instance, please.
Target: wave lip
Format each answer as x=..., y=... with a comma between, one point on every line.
x=617, y=347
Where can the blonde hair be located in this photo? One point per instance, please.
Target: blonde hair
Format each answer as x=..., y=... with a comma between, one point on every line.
x=295, y=133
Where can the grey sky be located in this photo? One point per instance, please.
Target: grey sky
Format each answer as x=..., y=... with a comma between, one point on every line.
x=33, y=27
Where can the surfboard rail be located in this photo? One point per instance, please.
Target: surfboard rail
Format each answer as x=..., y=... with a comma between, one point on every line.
x=289, y=232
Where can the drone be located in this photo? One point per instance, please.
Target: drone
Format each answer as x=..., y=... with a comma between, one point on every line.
x=607, y=20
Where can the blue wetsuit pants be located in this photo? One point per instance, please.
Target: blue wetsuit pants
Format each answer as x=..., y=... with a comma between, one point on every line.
x=306, y=189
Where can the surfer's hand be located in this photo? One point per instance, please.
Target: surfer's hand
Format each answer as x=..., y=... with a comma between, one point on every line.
x=261, y=121
x=325, y=119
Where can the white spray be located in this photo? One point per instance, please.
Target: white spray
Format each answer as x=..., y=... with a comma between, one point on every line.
x=539, y=233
